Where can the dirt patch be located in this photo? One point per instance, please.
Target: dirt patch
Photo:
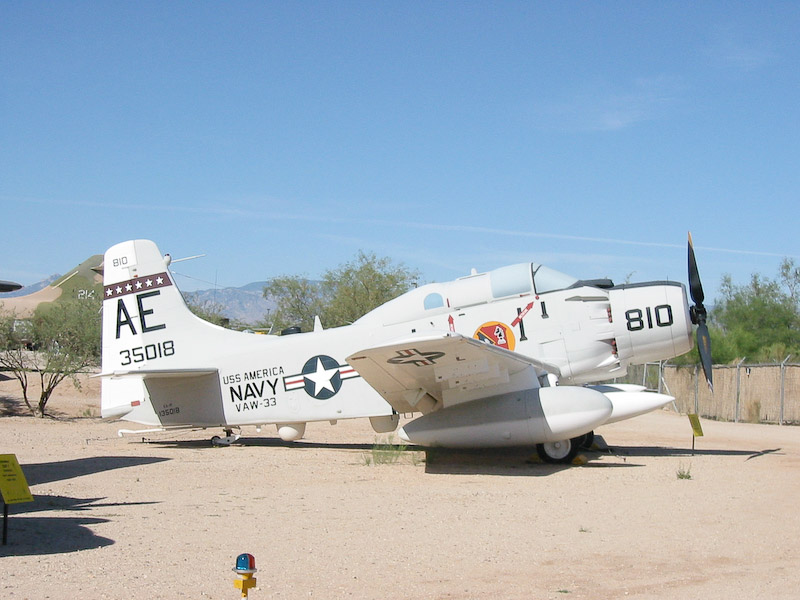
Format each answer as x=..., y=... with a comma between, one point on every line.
x=118, y=517
x=23, y=307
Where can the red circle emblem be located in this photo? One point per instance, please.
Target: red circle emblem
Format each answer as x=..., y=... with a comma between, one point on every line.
x=497, y=334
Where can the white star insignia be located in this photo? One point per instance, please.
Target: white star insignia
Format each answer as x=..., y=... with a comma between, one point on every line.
x=159, y=280
x=119, y=290
x=149, y=283
x=138, y=285
x=128, y=287
x=109, y=292
x=322, y=378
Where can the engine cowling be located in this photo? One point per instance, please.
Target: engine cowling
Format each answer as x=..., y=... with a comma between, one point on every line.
x=524, y=418
x=651, y=321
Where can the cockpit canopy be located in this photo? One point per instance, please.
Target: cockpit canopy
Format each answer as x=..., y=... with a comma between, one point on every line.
x=514, y=280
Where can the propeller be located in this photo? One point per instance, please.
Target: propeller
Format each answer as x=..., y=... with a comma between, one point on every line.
x=699, y=316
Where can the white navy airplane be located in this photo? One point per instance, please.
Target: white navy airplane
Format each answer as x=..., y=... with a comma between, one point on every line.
x=488, y=360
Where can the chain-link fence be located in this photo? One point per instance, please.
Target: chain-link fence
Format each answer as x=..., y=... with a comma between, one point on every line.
x=753, y=393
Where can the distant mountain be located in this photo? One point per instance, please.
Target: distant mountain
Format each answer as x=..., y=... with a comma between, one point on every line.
x=245, y=304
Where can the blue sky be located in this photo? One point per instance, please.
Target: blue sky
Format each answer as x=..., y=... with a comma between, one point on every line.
x=282, y=138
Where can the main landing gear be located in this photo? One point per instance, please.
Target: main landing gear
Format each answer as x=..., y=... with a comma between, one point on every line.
x=229, y=438
x=564, y=451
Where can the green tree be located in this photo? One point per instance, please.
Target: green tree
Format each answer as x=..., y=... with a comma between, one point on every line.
x=210, y=311
x=15, y=335
x=298, y=301
x=355, y=288
x=760, y=320
x=723, y=350
x=60, y=341
x=790, y=278
x=344, y=294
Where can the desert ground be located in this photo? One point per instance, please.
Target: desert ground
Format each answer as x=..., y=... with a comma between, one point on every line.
x=165, y=515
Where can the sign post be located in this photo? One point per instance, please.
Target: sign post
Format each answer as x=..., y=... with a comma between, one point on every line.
x=13, y=486
x=697, y=429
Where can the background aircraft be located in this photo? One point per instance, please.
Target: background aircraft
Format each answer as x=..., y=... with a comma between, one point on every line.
x=80, y=283
x=9, y=286
x=478, y=357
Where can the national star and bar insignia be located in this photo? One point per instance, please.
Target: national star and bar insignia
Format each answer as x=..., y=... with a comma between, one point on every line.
x=321, y=377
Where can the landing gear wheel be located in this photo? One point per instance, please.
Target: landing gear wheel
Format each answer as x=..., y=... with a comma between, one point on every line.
x=229, y=438
x=562, y=451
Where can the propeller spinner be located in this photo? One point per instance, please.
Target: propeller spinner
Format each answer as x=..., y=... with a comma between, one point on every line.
x=699, y=316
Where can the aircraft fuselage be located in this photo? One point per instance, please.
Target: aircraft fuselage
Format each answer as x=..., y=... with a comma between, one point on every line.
x=194, y=373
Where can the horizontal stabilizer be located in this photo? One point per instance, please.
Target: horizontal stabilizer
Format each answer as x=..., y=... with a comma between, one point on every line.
x=163, y=397
x=159, y=373
x=126, y=391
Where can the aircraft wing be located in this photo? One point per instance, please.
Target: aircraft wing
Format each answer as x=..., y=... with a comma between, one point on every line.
x=424, y=374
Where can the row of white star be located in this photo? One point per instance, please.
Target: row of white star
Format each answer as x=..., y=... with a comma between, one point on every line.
x=136, y=284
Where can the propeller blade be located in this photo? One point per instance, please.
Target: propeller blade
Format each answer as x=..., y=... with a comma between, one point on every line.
x=699, y=316
x=695, y=287
x=704, y=348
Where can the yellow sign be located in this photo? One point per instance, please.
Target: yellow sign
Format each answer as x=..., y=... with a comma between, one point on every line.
x=696, y=428
x=12, y=481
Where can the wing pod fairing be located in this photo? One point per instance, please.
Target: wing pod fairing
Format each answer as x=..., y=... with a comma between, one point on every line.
x=630, y=401
x=525, y=418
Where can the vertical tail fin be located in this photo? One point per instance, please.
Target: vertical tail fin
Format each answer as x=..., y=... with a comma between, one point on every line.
x=147, y=328
x=140, y=305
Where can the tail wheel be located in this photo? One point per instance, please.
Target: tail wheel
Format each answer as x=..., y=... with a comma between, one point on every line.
x=229, y=438
x=562, y=451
